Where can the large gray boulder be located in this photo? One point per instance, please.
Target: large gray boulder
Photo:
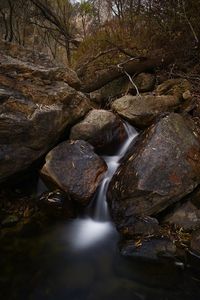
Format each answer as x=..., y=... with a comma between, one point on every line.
x=73, y=167
x=26, y=62
x=142, y=110
x=37, y=104
x=160, y=169
x=100, y=128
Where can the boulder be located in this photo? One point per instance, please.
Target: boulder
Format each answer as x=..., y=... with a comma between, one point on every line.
x=111, y=90
x=24, y=62
x=161, y=168
x=186, y=216
x=150, y=249
x=145, y=82
x=73, y=167
x=195, y=243
x=36, y=106
x=141, y=111
x=179, y=88
x=100, y=128
x=56, y=204
x=135, y=226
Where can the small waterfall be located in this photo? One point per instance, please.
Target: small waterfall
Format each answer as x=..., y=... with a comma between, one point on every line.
x=95, y=225
x=100, y=210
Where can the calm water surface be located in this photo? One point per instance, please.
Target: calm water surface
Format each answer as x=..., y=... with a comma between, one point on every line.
x=64, y=264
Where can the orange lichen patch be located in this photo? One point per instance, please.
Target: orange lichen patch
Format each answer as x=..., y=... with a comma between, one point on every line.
x=175, y=179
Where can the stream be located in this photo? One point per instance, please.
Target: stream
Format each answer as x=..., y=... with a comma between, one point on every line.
x=79, y=260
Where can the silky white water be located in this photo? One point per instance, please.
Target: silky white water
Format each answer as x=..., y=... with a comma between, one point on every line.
x=96, y=224
x=101, y=210
x=79, y=259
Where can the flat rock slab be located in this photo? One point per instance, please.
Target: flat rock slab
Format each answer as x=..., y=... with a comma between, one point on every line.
x=100, y=128
x=141, y=111
x=74, y=168
x=161, y=168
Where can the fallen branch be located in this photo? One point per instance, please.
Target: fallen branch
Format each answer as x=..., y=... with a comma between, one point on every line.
x=130, y=78
x=132, y=66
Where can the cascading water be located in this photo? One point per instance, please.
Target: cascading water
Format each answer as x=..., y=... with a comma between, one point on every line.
x=101, y=210
x=96, y=222
x=78, y=259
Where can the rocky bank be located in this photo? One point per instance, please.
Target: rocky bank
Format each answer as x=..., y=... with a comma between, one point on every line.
x=48, y=124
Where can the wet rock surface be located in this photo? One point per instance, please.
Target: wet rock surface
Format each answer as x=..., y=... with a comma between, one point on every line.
x=141, y=111
x=160, y=169
x=186, y=216
x=195, y=243
x=151, y=249
x=57, y=204
x=25, y=212
x=39, y=104
x=138, y=226
x=36, y=106
x=74, y=168
x=100, y=128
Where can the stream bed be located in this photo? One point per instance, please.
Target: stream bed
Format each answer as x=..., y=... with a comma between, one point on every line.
x=53, y=266
x=79, y=260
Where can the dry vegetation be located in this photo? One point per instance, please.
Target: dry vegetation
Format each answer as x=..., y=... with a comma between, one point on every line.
x=93, y=34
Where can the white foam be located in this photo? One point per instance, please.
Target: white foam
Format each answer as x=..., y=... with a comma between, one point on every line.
x=101, y=210
x=84, y=233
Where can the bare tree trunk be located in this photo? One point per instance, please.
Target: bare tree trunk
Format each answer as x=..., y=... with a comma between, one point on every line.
x=68, y=51
x=11, y=21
